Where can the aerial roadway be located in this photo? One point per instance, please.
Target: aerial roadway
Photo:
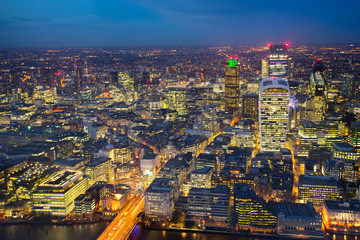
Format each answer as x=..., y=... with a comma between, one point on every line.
x=122, y=225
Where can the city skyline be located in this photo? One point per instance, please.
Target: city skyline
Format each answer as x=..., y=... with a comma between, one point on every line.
x=168, y=23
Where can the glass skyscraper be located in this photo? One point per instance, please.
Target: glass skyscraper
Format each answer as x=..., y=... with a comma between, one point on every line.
x=232, y=88
x=274, y=99
x=279, y=61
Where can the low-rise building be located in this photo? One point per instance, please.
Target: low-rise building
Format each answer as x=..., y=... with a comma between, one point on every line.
x=199, y=178
x=211, y=204
x=316, y=189
x=297, y=218
x=341, y=215
x=56, y=195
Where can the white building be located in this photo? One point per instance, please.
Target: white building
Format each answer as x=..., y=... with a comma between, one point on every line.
x=274, y=99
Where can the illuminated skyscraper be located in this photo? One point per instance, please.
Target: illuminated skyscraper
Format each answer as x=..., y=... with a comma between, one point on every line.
x=279, y=62
x=348, y=85
x=79, y=79
x=318, y=91
x=177, y=100
x=273, y=113
x=264, y=68
x=232, y=89
x=114, y=77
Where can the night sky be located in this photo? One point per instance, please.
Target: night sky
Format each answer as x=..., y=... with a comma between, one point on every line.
x=117, y=23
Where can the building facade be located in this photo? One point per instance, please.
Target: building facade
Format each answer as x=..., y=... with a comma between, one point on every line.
x=56, y=195
x=232, y=86
x=273, y=113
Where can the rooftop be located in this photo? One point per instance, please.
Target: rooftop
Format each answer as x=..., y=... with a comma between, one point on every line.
x=353, y=205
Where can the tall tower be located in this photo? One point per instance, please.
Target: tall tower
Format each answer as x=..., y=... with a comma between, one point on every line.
x=264, y=68
x=114, y=77
x=177, y=100
x=79, y=79
x=232, y=88
x=279, y=61
x=274, y=99
x=318, y=91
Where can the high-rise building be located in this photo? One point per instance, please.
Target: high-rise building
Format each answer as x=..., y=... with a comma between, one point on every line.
x=279, y=61
x=114, y=79
x=79, y=79
x=348, y=85
x=250, y=105
x=318, y=91
x=273, y=113
x=264, y=68
x=232, y=88
x=177, y=100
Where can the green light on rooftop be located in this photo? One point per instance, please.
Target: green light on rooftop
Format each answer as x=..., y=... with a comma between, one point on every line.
x=232, y=62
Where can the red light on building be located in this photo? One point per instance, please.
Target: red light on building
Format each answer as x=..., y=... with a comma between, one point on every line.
x=58, y=73
x=319, y=59
x=269, y=45
x=286, y=44
x=107, y=94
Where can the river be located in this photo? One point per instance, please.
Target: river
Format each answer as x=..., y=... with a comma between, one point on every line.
x=92, y=231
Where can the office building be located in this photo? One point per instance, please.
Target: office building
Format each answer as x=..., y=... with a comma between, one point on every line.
x=251, y=211
x=85, y=204
x=348, y=172
x=250, y=106
x=199, y=178
x=318, y=92
x=264, y=68
x=353, y=137
x=273, y=113
x=316, y=189
x=177, y=100
x=209, y=160
x=348, y=85
x=79, y=79
x=159, y=200
x=232, y=86
x=56, y=195
x=211, y=204
x=99, y=169
x=114, y=79
x=230, y=178
x=279, y=61
x=343, y=152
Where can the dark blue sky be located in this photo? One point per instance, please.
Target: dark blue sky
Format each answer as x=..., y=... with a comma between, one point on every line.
x=64, y=23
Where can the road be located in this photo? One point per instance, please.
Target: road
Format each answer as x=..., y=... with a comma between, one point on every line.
x=123, y=223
